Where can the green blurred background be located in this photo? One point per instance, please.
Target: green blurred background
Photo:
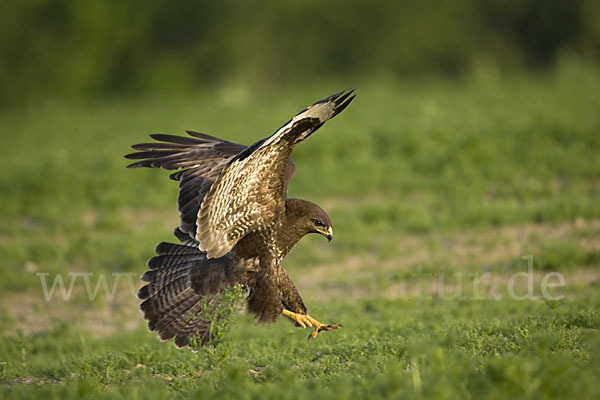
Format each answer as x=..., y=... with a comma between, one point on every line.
x=74, y=50
x=473, y=141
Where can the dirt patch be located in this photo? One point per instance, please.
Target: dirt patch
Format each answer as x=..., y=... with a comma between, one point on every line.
x=470, y=251
x=31, y=312
x=475, y=250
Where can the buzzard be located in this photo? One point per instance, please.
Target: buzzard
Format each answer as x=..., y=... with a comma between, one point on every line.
x=236, y=225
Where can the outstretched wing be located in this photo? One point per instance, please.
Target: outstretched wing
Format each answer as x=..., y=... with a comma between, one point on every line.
x=199, y=159
x=250, y=191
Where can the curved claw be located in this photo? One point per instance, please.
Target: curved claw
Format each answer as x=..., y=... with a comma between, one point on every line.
x=304, y=320
x=323, y=327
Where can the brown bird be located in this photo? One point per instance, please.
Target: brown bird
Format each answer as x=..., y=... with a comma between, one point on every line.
x=236, y=225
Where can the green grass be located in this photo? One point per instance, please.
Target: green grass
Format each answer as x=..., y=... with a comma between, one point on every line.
x=458, y=178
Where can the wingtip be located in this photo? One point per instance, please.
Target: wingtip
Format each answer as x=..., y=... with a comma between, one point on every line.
x=343, y=104
x=343, y=95
x=132, y=165
x=338, y=97
x=349, y=90
x=137, y=164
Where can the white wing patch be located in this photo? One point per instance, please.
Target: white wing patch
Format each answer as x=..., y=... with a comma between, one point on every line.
x=321, y=111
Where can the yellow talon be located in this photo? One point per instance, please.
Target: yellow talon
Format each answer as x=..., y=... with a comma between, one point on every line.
x=305, y=320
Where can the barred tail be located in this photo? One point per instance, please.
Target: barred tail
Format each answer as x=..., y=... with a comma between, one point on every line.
x=183, y=286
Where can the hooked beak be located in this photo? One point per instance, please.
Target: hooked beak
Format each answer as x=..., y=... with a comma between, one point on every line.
x=328, y=233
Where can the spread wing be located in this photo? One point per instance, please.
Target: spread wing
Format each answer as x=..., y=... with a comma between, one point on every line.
x=250, y=190
x=198, y=160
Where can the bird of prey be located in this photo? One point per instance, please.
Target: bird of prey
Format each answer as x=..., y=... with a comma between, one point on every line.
x=236, y=225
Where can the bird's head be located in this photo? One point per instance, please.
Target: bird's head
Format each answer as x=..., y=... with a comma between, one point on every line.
x=321, y=224
x=310, y=218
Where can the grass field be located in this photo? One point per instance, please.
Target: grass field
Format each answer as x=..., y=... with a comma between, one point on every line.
x=440, y=192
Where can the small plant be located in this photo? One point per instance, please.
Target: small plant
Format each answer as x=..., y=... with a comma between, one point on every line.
x=217, y=312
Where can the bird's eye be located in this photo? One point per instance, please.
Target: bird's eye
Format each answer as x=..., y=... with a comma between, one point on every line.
x=318, y=223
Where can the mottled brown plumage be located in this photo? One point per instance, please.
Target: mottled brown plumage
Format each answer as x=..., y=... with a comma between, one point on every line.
x=236, y=225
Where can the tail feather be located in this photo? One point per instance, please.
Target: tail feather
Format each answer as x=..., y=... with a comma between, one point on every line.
x=174, y=318
x=174, y=260
x=183, y=339
x=191, y=315
x=161, y=274
x=194, y=325
x=167, y=281
x=182, y=285
x=164, y=248
x=164, y=300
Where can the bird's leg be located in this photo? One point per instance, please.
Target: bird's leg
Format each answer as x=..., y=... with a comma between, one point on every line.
x=305, y=320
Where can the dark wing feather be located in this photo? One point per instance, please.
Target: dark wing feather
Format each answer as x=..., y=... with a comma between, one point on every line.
x=199, y=160
x=198, y=152
x=250, y=191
